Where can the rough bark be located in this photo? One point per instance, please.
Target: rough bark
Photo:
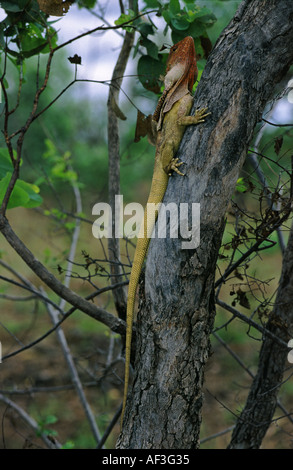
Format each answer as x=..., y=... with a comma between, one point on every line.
x=175, y=320
x=260, y=406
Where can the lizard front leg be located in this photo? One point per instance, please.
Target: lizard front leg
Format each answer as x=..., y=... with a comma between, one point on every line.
x=198, y=117
x=175, y=122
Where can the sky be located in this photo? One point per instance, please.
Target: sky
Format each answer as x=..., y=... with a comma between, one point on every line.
x=99, y=51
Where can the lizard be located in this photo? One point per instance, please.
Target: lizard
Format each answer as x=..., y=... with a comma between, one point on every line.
x=169, y=120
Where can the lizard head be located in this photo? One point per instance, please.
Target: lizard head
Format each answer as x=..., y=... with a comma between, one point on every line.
x=181, y=73
x=181, y=65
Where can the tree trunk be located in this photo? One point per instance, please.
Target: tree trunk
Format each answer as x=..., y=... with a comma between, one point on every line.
x=177, y=313
x=260, y=406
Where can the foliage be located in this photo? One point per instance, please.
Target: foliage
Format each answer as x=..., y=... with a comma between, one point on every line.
x=24, y=194
x=49, y=156
x=191, y=20
x=27, y=32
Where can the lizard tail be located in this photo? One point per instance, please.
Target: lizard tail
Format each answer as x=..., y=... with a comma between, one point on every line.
x=156, y=195
x=141, y=249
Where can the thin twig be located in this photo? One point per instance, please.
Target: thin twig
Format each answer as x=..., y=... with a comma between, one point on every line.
x=50, y=443
x=102, y=28
x=74, y=374
x=51, y=281
x=109, y=428
x=251, y=322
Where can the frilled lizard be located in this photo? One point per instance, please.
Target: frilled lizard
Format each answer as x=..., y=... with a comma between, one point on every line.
x=169, y=120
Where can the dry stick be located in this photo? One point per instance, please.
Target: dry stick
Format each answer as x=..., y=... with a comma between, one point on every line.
x=30, y=289
x=114, y=166
x=65, y=316
x=262, y=397
x=60, y=333
x=74, y=374
x=237, y=358
x=256, y=247
x=251, y=322
x=51, y=444
x=31, y=117
x=51, y=281
x=74, y=242
x=23, y=130
x=103, y=28
x=16, y=243
x=109, y=428
x=262, y=179
x=218, y=434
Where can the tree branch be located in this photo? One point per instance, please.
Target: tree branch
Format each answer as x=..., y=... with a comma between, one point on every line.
x=51, y=444
x=114, y=166
x=115, y=324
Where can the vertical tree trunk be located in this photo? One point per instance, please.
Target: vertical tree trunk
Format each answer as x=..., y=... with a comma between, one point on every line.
x=260, y=406
x=176, y=316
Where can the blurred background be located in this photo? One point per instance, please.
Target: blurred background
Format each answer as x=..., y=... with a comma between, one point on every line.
x=65, y=152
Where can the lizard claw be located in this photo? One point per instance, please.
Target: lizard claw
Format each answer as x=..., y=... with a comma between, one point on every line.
x=173, y=166
x=200, y=114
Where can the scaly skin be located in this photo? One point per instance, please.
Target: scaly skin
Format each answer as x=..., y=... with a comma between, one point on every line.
x=172, y=115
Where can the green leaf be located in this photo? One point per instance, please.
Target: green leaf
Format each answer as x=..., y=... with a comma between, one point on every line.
x=204, y=14
x=86, y=3
x=23, y=195
x=33, y=43
x=19, y=197
x=180, y=22
x=241, y=186
x=68, y=445
x=50, y=419
x=149, y=72
x=5, y=162
x=151, y=47
x=11, y=6
x=174, y=6
x=32, y=191
x=152, y=3
x=145, y=29
x=168, y=16
x=196, y=29
x=124, y=18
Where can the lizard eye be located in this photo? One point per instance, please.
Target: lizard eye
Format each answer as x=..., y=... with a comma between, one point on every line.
x=173, y=48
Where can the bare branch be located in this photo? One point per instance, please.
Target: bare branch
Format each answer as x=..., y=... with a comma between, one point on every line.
x=74, y=374
x=50, y=443
x=114, y=164
x=251, y=322
x=40, y=270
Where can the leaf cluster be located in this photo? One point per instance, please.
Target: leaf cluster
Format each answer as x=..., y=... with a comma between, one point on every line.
x=25, y=31
x=24, y=194
x=181, y=21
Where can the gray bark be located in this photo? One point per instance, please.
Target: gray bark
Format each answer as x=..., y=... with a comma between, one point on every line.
x=177, y=313
x=260, y=406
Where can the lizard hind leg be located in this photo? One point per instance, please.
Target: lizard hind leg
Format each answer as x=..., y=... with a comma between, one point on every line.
x=173, y=166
